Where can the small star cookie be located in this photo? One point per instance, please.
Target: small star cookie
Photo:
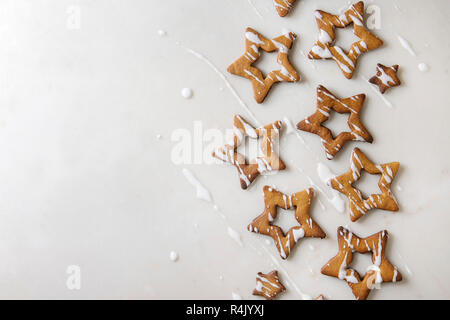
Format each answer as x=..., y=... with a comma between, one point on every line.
x=380, y=271
x=268, y=285
x=358, y=205
x=325, y=47
x=301, y=201
x=386, y=77
x=269, y=161
x=326, y=102
x=243, y=66
x=283, y=6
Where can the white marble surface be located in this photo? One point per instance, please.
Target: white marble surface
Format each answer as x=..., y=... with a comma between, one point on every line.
x=85, y=181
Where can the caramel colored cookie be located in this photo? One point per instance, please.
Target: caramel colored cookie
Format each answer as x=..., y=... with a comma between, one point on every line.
x=386, y=77
x=326, y=102
x=243, y=66
x=301, y=201
x=380, y=271
x=268, y=285
x=283, y=6
x=248, y=171
x=358, y=205
x=325, y=47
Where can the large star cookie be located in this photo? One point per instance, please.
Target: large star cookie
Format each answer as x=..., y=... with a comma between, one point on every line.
x=386, y=77
x=268, y=285
x=301, y=201
x=283, y=6
x=358, y=205
x=326, y=102
x=325, y=48
x=380, y=271
x=243, y=66
x=269, y=161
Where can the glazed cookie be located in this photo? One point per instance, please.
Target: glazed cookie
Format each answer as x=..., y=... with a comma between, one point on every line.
x=380, y=271
x=283, y=6
x=386, y=77
x=243, y=66
x=301, y=201
x=325, y=48
x=358, y=205
x=268, y=285
x=248, y=171
x=326, y=102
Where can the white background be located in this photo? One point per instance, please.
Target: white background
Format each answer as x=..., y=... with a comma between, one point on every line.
x=84, y=181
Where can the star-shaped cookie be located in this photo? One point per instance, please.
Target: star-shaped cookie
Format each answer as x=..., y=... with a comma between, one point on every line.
x=243, y=66
x=380, y=271
x=283, y=6
x=326, y=102
x=386, y=77
x=325, y=48
x=301, y=201
x=358, y=205
x=269, y=161
x=268, y=285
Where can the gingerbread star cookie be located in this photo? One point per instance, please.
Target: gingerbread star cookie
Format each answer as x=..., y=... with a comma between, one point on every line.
x=268, y=285
x=243, y=66
x=386, y=77
x=284, y=242
x=358, y=205
x=326, y=102
x=269, y=161
x=283, y=6
x=325, y=47
x=380, y=271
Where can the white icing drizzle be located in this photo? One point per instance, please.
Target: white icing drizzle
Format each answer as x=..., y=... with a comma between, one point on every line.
x=227, y=83
x=384, y=77
x=255, y=9
x=336, y=199
x=263, y=283
x=235, y=236
x=253, y=37
x=423, y=67
x=386, y=101
x=405, y=44
x=298, y=234
x=378, y=278
x=235, y=296
x=201, y=192
x=286, y=275
x=173, y=256
x=186, y=93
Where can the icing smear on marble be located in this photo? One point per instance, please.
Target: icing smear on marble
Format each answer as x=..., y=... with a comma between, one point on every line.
x=405, y=44
x=336, y=198
x=235, y=236
x=382, y=97
x=235, y=296
x=201, y=192
x=227, y=83
x=288, y=278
